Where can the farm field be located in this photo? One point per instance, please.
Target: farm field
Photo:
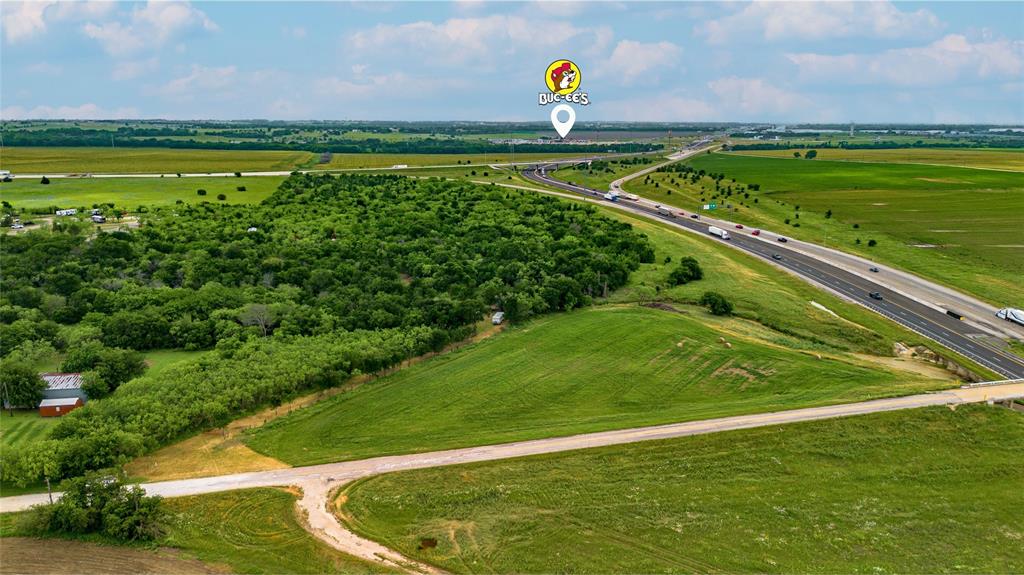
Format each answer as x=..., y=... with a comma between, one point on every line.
x=148, y=160
x=965, y=158
x=907, y=209
x=160, y=359
x=922, y=491
x=249, y=531
x=356, y=161
x=594, y=369
x=130, y=193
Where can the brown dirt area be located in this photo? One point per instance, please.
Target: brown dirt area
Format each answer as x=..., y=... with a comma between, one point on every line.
x=28, y=555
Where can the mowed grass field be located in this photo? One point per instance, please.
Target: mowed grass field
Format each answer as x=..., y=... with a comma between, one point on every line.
x=921, y=491
x=130, y=193
x=148, y=160
x=956, y=226
x=247, y=531
x=595, y=369
x=966, y=158
x=24, y=427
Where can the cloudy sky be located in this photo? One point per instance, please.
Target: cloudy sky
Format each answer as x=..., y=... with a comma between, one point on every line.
x=948, y=62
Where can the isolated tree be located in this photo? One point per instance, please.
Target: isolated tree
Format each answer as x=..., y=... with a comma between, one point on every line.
x=44, y=181
x=828, y=214
x=872, y=243
x=796, y=154
x=201, y=192
x=716, y=303
x=221, y=197
x=811, y=154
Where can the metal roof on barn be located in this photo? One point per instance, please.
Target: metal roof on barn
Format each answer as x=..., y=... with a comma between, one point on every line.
x=59, y=402
x=62, y=380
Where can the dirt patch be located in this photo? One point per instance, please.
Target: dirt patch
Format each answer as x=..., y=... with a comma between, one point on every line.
x=943, y=180
x=663, y=307
x=427, y=543
x=27, y=555
x=920, y=353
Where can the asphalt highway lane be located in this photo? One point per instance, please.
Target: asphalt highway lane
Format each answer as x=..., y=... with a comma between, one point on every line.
x=922, y=319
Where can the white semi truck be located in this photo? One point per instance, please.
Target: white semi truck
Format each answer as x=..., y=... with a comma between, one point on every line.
x=664, y=211
x=1011, y=314
x=716, y=231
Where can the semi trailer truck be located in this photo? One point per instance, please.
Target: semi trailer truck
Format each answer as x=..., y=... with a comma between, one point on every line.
x=716, y=231
x=1011, y=314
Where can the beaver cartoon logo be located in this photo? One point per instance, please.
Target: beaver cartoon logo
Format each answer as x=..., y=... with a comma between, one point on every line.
x=563, y=78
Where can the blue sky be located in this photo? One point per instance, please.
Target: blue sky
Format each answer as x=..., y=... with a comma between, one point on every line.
x=948, y=62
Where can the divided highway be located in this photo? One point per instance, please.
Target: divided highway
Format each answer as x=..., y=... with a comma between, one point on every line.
x=926, y=321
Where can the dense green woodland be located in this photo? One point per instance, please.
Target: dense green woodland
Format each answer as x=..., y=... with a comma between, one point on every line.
x=328, y=277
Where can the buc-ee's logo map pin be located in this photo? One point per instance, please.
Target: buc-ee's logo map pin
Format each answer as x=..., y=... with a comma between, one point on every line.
x=563, y=127
x=562, y=79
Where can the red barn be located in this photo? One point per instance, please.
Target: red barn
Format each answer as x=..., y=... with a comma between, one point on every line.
x=58, y=407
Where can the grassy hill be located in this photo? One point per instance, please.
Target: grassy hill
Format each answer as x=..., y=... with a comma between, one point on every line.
x=922, y=491
x=596, y=369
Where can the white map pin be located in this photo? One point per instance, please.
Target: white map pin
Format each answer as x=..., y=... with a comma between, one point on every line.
x=563, y=127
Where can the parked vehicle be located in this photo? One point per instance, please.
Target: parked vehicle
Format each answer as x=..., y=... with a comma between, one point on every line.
x=875, y=295
x=1010, y=314
x=755, y=233
x=782, y=239
x=716, y=231
x=17, y=226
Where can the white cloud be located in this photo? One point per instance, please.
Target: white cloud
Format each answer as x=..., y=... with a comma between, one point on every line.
x=460, y=40
x=130, y=69
x=203, y=82
x=819, y=20
x=391, y=86
x=754, y=97
x=632, y=61
x=83, y=112
x=150, y=25
x=23, y=20
x=946, y=60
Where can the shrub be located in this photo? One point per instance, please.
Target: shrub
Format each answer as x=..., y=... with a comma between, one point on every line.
x=872, y=243
x=238, y=174
x=201, y=192
x=44, y=181
x=240, y=189
x=716, y=303
x=221, y=197
x=101, y=504
x=687, y=271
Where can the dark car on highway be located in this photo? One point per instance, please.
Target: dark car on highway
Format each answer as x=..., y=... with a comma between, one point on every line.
x=875, y=270
x=782, y=239
x=776, y=257
x=875, y=295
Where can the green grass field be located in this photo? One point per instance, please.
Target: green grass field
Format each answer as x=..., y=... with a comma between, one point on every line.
x=921, y=491
x=131, y=193
x=148, y=160
x=594, y=369
x=965, y=158
x=351, y=161
x=253, y=531
x=160, y=359
x=778, y=301
x=24, y=427
x=956, y=226
x=248, y=531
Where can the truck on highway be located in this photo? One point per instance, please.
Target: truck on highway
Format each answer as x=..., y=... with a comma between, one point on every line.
x=612, y=196
x=716, y=231
x=664, y=211
x=6, y=175
x=1010, y=314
